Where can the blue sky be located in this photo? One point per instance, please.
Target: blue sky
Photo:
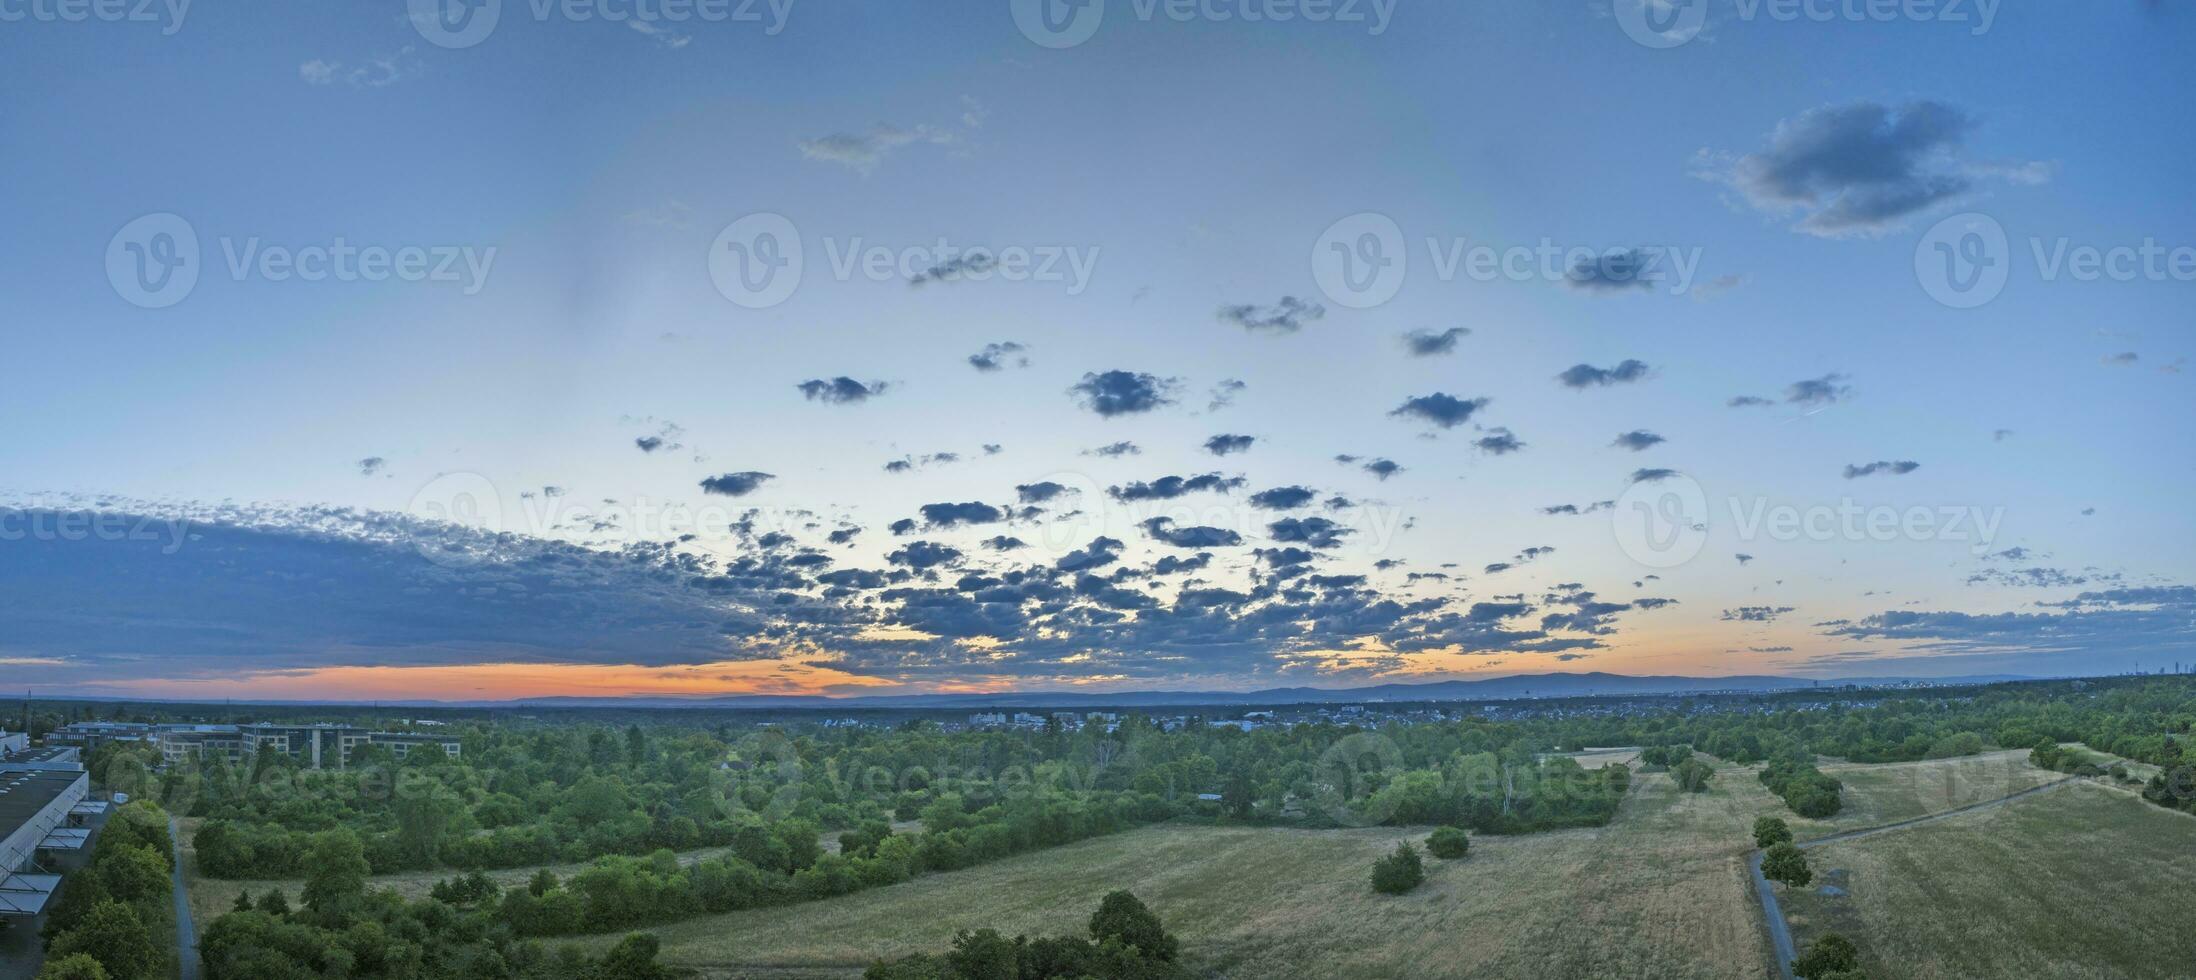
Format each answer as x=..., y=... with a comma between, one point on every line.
x=1172, y=180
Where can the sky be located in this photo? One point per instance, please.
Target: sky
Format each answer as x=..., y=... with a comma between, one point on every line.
x=461, y=349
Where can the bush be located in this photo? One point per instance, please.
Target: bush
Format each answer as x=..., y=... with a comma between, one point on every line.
x=1398, y=872
x=1771, y=831
x=1449, y=843
x=1832, y=954
x=1692, y=775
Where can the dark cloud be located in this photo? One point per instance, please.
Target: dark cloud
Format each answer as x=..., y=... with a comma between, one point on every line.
x=1825, y=390
x=1170, y=487
x=996, y=357
x=1221, y=445
x=1896, y=468
x=1316, y=532
x=1498, y=442
x=1100, y=552
x=1440, y=408
x=1652, y=475
x=1613, y=271
x=1589, y=376
x=735, y=484
x=920, y=555
x=1749, y=401
x=1041, y=492
x=950, y=515
x=1123, y=448
x=1282, y=498
x=372, y=466
x=1287, y=316
x=841, y=390
x=1164, y=529
x=973, y=263
x=1111, y=393
x=1426, y=343
x=1574, y=510
x=1755, y=614
x=1223, y=394
x=1637, y=440
x=1001, y=542
x=648, y=444
x=1863, y=168
x=844, y=535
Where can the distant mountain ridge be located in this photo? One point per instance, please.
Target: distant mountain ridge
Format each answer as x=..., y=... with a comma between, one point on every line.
x=1555, y=685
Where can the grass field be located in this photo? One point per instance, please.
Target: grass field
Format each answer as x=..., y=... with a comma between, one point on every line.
x=2080, y=882
x=1660, y=893
x=1879, y=794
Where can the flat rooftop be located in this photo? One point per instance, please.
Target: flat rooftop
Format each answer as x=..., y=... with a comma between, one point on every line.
x=23, y=794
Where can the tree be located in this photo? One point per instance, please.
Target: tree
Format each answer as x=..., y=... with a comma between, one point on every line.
x=1770, y=831
x=275, y=903
x=243, y=902
x=633, y=958
x=336, y=870
x=1124, y=919
x=1449, y=843
x=133, y=873
x=1787, y=865
x=1398, y=872
x=113, y=935
x=1832, y=954
x=1692, y=775
x=77, y=967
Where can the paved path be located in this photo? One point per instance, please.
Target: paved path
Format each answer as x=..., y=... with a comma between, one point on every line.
x=1780, y=934
x=186, y=934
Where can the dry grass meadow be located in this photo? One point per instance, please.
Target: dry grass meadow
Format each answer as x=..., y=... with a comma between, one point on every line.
x=2080, y=882
x=1661, y=893
x=1880, y=794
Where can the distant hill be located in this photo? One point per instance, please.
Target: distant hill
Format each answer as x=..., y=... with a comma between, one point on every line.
x=1497, y=688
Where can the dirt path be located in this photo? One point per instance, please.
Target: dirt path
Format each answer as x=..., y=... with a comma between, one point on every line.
x=186, y=935
x=1780, y=934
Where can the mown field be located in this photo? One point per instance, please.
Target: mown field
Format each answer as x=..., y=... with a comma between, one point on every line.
x=1661, y=893
x=2080, y=882
x=1880, y=794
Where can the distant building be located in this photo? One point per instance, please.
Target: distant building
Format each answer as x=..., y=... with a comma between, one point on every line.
x=987, y=719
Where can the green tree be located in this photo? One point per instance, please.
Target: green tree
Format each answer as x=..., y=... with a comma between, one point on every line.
x=77, y=967
x=1123, y=918
x=1449, y=843
x=1829, y=955
x=1692, y=775
x=633, y=958
x=1785, y=864
x=112, y=934
x=1398, y=872
x=336, y=871
x=1770, y=831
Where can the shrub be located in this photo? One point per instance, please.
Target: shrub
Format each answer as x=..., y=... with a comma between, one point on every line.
x=1770, y=831
x=1829, y=955
x=1398, y=872
x=1448, y=843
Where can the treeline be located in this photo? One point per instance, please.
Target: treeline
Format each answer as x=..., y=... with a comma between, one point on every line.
x=1126, y=942
x=768, y=869
x=113, y=919
x=341, y=929
x=1809, y=791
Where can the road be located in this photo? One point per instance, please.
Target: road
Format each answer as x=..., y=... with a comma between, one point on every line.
x=186, y=934
x=1780, y=934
